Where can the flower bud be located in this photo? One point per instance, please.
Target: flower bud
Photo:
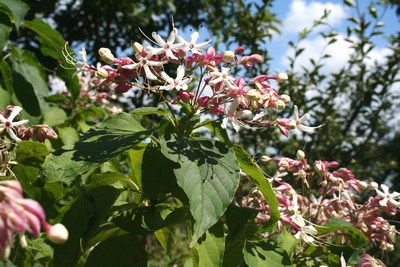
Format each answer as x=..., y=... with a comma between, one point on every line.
x=280, y=105
x=253, y=95
x=239, y=50
x=106, y=55
x=228, y=56
x=102, y=73
x=300, y=154
x=137, y=47
x=362, y=185
x=122, y=87
x=373, y=185
x=265, y=158
x=285, y=98
x=281, y=77
x=57, y=234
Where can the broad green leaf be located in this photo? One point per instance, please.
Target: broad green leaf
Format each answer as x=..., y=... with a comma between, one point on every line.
x=5, y=98
x=210, y=247
x=158, y=175
x=29, y=85
x=6, y=75
x=108, y=178
x=100, y=144
x=357, y=238
x=136, y=160
x=15, y=9
x=264, y=254
x=31, y=153
x=122, y=251
x=288, y=242
x=216, y=128
x=208, y=173
x=4, y=33
x=68, y=135
x=241, y=226
x=248, y=166
x=150, y=111
x=166, y=238
x=54, y=116
x=147, y=220
x=52, y=44
x=82, y=220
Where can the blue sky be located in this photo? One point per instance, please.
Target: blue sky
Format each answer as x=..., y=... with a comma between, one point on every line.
x=298, y=14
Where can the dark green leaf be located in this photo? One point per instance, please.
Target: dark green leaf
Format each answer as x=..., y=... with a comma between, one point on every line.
x=248, y=166
x=16, y=11
x=208, y=173
x=108, y=178
x=130, y=252
x=100, y=144
x=82, y=219
x=52, y=44
x=265, y=254
x=158, y=175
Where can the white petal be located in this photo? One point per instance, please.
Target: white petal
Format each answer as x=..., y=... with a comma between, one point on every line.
x=14, y=113
x=18, y=123
x=158, y=39
x=13, y=135
x=149, y=74
x=194, y=37
x=180, y=72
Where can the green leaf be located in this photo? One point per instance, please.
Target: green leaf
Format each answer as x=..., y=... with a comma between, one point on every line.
x=241, y=226
x=147, y=220
x=5, y=98
x=4, y=34
x=52, y=44
x=210, y=247
x=29, y=85
x=287, y=242
x=208, y=173
x=263, y=254
x=54, y=116
x=166, y=238
x=158, y=175
x=101, y=143
x=108, y=178
x=248, y=166
x=82, y=220
x=31, y=153
x=357, y=238
x=130, y=252
x=68, y=135
x=6, y=75
x=216, y=128
x=16, y=11
x=150, y=111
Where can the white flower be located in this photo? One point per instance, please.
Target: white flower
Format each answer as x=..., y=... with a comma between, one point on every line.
x=8, y=124
x=306, y=233
x=192, y=46
x=166, y=46
x=232, y=115
x=69, y=58
x=393, y=198
x=299, y=122
x=145, y=63
x=222, y=77
x=179, y=83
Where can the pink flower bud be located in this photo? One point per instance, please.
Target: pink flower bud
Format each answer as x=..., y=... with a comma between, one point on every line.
x=122, y=87
x=203, y=101
x=240, y=50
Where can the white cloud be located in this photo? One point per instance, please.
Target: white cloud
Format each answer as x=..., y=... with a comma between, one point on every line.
x=302, y=15
x=339, y=51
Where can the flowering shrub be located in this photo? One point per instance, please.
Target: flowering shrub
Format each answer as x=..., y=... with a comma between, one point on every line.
x=120, y=182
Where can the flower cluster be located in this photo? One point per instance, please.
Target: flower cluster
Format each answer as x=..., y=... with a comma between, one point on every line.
x=329, y=193
x=16, y=130
x=175, y=62
x=19, y=215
